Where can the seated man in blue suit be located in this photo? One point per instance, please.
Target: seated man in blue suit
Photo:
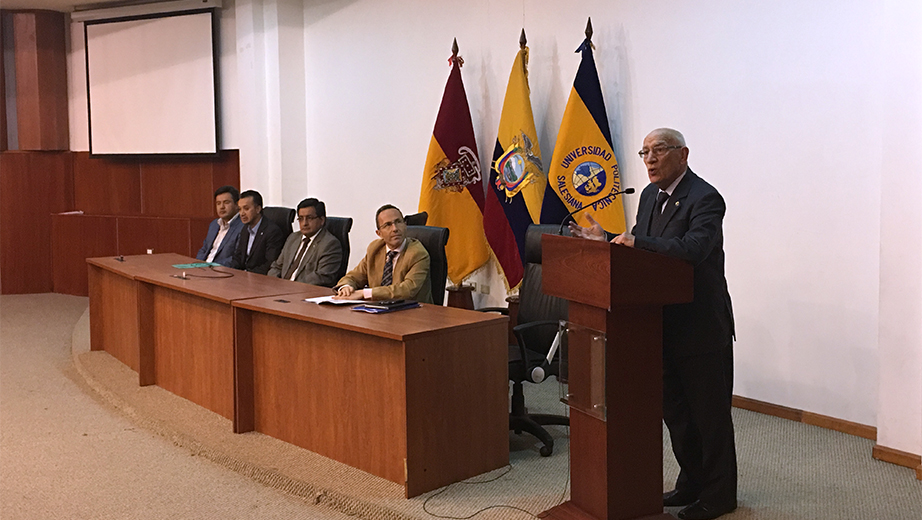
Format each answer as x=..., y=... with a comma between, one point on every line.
x=221, y=240
x=311, y=254
x=260, y=240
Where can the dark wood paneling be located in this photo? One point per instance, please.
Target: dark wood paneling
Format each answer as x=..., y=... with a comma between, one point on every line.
x=106, y=186
x=41, y=80
x=198, y=229
x=3, y=132
x=226, y=170
x=177, y=188
x=162, y=235
x=32, y=187
x=74, y=238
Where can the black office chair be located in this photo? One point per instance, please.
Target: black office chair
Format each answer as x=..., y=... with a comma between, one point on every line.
x=538, y=319
x=434, y=240
x=417, y=219
x=340, y=227
x=281, y=217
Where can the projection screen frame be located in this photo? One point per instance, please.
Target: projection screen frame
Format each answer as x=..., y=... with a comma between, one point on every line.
x=215, y=49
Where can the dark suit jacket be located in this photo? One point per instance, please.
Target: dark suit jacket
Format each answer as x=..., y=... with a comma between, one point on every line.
x=411, y=274
x=691, y=228
x=266, y=247
x=225, y=254
x=321, y=261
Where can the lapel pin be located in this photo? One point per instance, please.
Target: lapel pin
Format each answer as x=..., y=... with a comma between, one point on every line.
x=677, y=204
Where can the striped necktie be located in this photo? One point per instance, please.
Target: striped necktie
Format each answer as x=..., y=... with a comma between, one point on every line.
x=388, y=277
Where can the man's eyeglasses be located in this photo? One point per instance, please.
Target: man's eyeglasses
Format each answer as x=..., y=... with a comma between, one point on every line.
x=387, y=225
x=302, y=218
x=656, y=151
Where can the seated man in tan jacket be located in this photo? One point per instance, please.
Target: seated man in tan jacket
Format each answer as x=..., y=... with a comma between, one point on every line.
x=394, y=267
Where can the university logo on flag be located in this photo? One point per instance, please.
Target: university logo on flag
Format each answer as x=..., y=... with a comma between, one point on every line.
x=584, y=171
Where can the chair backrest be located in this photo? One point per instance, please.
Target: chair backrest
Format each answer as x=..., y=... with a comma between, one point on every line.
x=281, y=217
x=340, y=227
x=417, y=219
x=434, y=240
x=534, y=305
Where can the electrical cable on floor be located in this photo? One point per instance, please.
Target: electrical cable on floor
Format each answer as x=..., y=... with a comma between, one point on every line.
x=563, y=493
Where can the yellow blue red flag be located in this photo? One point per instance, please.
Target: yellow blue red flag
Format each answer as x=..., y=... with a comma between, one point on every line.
x=452, y=187
x=584, y=170
x=517, y=180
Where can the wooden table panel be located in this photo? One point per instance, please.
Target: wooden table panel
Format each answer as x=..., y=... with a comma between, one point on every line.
x=419, y=397
x=114, y=302
x=332, y=391
x=113, y=315
x=458, y=406
x=192, y=346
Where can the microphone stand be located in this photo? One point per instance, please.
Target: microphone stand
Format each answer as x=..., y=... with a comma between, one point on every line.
x=626, y=191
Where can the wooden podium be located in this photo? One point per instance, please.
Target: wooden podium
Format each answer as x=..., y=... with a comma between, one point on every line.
x=616, y=454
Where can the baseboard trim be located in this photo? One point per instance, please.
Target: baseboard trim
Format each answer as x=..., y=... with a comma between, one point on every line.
x=900, y=458
x=813, y=419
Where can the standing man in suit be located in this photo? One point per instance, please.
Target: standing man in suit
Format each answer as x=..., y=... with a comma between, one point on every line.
x=311, y=255
x=681, y=215
x=394, y=267
x=260, y=240
x=221, y=240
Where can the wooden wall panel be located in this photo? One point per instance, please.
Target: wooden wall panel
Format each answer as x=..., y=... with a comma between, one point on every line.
x=32, y=187
x=106, y=186
x=226, y=170
x=75, y=238
x=177, y=188
x=3, y=133
x=163, y=235
x=41, y=80
x=198, y=228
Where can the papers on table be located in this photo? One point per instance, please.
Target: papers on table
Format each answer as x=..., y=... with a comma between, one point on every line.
x=329, y=299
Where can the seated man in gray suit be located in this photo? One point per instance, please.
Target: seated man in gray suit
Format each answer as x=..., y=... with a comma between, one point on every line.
x=311, y=255
x=221, y=240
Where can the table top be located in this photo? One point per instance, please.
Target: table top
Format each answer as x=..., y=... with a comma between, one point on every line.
x=221, y=284
x=134, y=265
x=399, y=325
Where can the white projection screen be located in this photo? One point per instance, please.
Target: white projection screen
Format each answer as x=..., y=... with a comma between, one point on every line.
x=151, y=84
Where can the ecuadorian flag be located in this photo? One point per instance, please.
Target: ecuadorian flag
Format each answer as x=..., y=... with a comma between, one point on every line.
x=452, y=187
x=584, y=169
x=517, y=180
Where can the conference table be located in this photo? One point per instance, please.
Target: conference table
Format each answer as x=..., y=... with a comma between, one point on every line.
x=418, y=396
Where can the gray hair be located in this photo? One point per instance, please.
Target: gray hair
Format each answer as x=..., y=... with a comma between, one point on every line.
x=673, y=136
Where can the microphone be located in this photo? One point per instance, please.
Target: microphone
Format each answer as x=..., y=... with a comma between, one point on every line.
x=626, y=191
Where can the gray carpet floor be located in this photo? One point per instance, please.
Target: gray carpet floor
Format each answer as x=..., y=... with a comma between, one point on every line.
x=79, y=439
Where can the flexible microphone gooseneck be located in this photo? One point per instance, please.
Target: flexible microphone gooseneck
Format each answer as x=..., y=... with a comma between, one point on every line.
x=626, y=191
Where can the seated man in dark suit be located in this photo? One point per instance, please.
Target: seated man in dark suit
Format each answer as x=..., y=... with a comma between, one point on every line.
x=311, y=255
x=260, y=240
x=394, y=267
x=221, y=240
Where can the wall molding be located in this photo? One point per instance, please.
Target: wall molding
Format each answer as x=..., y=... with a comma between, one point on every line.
x=814, y=419
x=898, y=457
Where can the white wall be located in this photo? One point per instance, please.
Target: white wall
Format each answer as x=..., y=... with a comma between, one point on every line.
x=787, y=107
